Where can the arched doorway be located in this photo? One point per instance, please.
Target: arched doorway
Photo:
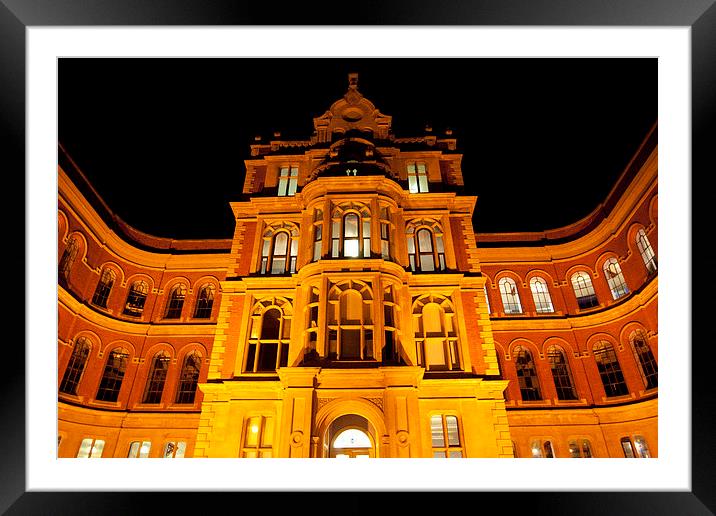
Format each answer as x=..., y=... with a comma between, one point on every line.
x=351, y=436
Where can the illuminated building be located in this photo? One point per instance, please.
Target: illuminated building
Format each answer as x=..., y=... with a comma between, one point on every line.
x=355, y=313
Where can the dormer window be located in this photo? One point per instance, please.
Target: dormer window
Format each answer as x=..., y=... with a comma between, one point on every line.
x=417, y=178
x=288, y=180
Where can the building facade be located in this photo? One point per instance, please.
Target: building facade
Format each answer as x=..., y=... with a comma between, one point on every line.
x=355, y=313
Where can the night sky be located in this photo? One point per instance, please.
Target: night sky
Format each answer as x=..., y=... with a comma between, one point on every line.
x=164, y=140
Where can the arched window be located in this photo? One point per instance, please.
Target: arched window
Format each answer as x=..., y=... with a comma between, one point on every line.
x=350, y=321
x=157, y=376
x=426, y=249
x=280, y=249
x=560, y=372
x=204, y=302
x=580, y=449
x=647, y=253
x=136, y=298
x=540, y=295
x=645, y=359
x=615, y=278
x=350, y=232
x=609, y=369
x=113, y=375
x=68, y=258
x=104, y=287
x=176, y=301
x=317, y=235
x=436, y=336
x=510, y=296
x=189, y=378
x=269, y=336
x=526, y=374
x=584, y=290
x=76, y=366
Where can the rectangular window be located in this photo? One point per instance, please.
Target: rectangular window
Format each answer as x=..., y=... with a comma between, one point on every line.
x=90, y=448
x=139, y=450
x=417, y=178
x=445, y=437
x=288, y=181
x=258, y=437
x=174, y=450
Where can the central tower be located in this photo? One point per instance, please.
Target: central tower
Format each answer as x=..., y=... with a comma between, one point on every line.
x=353, y=321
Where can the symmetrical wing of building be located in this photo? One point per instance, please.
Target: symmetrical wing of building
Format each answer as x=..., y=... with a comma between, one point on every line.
x=355, y=313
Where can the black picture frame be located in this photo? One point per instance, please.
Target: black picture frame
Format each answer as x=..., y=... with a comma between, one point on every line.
x=700, y=15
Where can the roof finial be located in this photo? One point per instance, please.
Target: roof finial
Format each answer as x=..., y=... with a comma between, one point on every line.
x=353, y=81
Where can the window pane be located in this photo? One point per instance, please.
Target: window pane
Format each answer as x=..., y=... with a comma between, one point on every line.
x=144, y=450
x=436, y=430
x=413, y=184
x=351, y=248
x=280, y=244
x=267, y=437
x=642, y=450
x=85, y=448
x=181, y=448
x=574, y=450
x=423, y=183
x=425, y=241
x=97, y=449
x=292, y=186
x=350, y=228
x=627, y=448
x=253, y=428
x=427, y=262
x=133, y=450
x=455, y=455
x=278, y=265
x=453, y=436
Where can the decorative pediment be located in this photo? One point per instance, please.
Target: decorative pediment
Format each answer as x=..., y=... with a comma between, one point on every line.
x=350, y=113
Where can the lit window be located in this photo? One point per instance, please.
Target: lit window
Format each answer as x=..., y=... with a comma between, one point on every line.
x=288, y=180
x=189, y=378
x=68, y=258
x=645, y=359
x=540, y=294
x=104, y=287
x=136, y=298
x=258, y=438
x=510, y=296
x=561, y=374
x=90, y=449
x=417, y=178
x=280, y=249
x=615, y=278
x=445, y=437
x=174, y=450
x=636, y=448
x=436, y=337
x=139, y=449
x=384, y=233
x=647, y=253
x=609, y=369
x=176, y=302
x=269, y=336
x=205, y=302
x=526, y=374
x=426, y=249
x=584, y=290
x=317, y=235
x=157, y=377
x=580, y=449
x=391, y=309
x=113, y=375
x=542, y=450
x=350, y=232
x=350, y=321
x=76, y=366
x=312, y=329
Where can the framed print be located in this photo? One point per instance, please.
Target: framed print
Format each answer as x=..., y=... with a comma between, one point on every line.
x=339, y=255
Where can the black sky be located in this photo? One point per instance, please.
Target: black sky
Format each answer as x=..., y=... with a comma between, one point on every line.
x=164, y=140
